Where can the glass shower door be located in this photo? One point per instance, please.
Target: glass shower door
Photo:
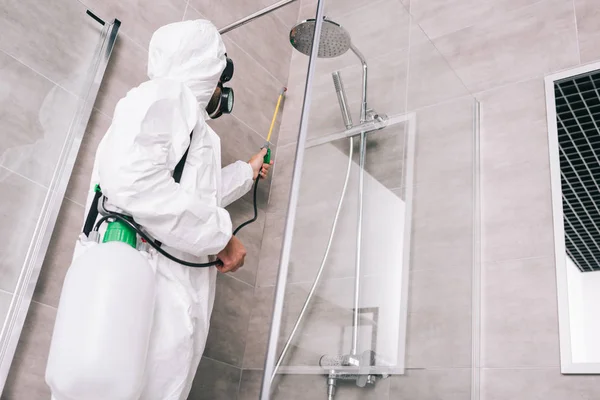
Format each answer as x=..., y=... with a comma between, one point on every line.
x=379, y=293
x=52, y=60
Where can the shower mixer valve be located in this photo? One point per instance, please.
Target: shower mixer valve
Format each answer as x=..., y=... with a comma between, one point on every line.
x=363, y=363
x=373, y=115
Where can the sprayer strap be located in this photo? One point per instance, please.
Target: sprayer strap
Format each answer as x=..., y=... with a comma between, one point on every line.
x=178, y=171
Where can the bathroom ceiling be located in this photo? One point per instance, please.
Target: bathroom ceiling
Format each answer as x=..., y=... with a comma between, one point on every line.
x=578, y=119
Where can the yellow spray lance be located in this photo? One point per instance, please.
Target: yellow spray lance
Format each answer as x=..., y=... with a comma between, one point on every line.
x=267, y=145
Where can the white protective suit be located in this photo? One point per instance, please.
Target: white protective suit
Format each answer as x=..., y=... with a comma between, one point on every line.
x=149, y=134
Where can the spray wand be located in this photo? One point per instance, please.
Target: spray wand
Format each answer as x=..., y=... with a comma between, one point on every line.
x=267, y=145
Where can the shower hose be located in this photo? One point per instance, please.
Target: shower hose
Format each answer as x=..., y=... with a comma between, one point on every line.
x=321, y=268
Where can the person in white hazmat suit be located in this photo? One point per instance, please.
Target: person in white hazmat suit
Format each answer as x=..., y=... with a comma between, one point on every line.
x=149, y=135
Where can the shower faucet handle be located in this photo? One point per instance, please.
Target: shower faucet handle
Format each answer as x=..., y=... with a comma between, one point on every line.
x=367, y=360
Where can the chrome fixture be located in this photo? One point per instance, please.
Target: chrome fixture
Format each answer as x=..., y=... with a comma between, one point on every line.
x=341, y=94
x=255, y=15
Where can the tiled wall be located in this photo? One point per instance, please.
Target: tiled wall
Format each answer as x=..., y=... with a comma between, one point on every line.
x=497, y=51
x=501, y=50
x=261, y=55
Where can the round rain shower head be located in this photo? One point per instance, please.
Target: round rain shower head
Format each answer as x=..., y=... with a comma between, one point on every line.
x=334, y=42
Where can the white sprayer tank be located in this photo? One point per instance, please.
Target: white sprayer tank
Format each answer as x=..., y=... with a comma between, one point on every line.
x=102, y=328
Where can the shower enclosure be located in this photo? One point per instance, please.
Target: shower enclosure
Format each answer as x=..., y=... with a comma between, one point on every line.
x=373, y=285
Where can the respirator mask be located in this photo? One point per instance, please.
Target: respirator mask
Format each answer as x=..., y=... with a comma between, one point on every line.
x=222, y=100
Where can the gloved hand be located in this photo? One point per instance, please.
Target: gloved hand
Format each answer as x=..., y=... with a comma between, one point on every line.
x=258, y=166
x=232, y=256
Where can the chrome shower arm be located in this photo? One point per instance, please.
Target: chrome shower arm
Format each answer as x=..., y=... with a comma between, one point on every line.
x=255, y=15
x=363, y=61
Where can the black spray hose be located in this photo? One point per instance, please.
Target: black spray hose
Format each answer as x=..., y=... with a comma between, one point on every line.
x=133, y=225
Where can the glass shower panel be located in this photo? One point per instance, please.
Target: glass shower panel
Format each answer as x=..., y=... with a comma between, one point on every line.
x=44, y=74
x=329, y=328
x=391, y=275
x=52, y=59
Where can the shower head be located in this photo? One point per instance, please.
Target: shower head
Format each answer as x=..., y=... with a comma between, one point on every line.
x=334, y=41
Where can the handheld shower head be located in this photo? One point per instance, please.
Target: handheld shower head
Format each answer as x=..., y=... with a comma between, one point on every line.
x=341, y=94
x=334, y=41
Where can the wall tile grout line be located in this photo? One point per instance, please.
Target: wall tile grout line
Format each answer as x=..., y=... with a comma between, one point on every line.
x=522, y=368
x=253, y=59
x=489, y=264
x=445, y=61
x=24, y=177
x=44, y=305
x=74, y=202
x=67, y=198
x=488, y=23
x=222, y=362
x=187, y=4
x=248, y=126
x=237, y=279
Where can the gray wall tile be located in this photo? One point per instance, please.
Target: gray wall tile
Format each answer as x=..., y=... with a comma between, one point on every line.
x=516, y=212
x=140, y=19
x=60, y=253
x=537, y=384
x=221, y=13
x=38, y=115
x=258, y=328
x=5, y=299
x=127, y=69
x=262, y=39
x=215, y=381
x=270, y=250
x=251, y=236
x=519, y=314
x=390, y=33
x=523, y=44
x=39, y=37
x=442, y=227
x=26, y=377
x=439, y=323
x=256, y=90
x=588, y=28
x=20, y=204
x=440, y=17
x=288, y=14
x=444, y=142
x=440, y=384
x=79, y=183
x=430, y=79
x=229, y=322
x=514, y=114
